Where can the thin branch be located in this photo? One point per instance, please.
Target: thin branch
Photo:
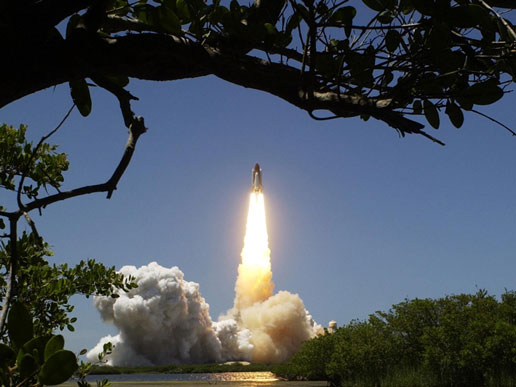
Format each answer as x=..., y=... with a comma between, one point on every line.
x=135, y=130
x=32, y=225
x=123, y=96
x=369, y=28
x=13, y=223
x=495, y=121
x=424, y=134
x=510, y=31
x=33, y=155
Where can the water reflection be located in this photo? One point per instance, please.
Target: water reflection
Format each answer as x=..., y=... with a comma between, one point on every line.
x=261, y=377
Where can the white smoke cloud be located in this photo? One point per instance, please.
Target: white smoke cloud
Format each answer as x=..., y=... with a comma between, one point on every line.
x=165, y=321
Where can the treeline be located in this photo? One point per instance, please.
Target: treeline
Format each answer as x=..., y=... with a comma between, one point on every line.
x=183, y=368
x=461, y=340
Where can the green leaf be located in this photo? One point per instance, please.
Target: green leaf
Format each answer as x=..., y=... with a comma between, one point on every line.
x=73, y=22
x=376, y=5
x=7, y=355
x=302, y=11
x=344, y=16
x=431, y=113
x=425, y=7
x=27, y=366
x=58, y=368
x=464, y=103
x=269, y=28
x=19, y=325
x=484, y=93
x=392, y=40
x=293, y=23
x=480, y=16
x=455, y=114
x=385, y=17
x=169, y=20
x=81, y=96
x=406, y=6
x=417, y=107
x=182, y=10
x=36, y=347
x=55, y=344
x=144, y=13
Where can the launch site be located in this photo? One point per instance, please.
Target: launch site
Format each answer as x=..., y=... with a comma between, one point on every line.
x=297, y=193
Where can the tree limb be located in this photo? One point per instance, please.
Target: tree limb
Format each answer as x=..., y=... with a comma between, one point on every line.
x=165, y=57
x=13, y=224
x=33, y=155
x=136, y=129
x=32, y=225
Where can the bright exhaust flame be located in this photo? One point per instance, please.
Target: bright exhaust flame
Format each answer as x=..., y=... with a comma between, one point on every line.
x=254, y=283
x=256, y=242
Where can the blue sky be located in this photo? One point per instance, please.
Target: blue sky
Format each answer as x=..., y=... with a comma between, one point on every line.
x=358, y=218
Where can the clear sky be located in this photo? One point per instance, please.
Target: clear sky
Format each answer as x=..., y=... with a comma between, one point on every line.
x=358, y=218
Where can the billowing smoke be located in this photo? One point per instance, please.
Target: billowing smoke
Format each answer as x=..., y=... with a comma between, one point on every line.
x=165, y=320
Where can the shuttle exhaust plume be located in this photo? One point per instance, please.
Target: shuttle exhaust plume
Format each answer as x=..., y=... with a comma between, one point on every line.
x=278, y=323
x=166, y=320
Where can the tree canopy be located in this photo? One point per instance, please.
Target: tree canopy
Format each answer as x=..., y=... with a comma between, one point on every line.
x=397, y=60
x=460, y=340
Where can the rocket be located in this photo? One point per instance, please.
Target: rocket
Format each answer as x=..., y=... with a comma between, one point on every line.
x=257, y=186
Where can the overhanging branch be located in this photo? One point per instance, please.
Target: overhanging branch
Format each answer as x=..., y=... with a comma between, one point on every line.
x=164, y=57
x=136, y=129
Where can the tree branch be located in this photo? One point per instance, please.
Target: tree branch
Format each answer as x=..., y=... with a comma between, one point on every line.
x=495, y=121
x=509, y=29
x=32, y=225
x=33, y=155
x=13, y=224
x=165, y=57
x=135, y=130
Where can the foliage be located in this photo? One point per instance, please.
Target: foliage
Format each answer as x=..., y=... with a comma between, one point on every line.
x=42, y=165
x=47, y=289
x=33, y=360
x=26, y=168
x=35, y=293
x=388, y=59
x=461, y=340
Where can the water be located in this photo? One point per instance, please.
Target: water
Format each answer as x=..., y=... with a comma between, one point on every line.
x=223, y=379
x=259, y=377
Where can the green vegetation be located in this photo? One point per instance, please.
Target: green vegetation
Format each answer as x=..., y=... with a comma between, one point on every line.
x=185, y=369
x=462, y=340
x=35, y=295
x=28, y=358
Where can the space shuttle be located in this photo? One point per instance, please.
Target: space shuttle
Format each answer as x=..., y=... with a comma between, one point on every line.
x=256, y=185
